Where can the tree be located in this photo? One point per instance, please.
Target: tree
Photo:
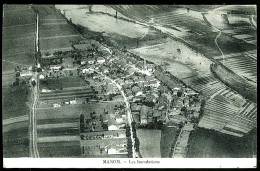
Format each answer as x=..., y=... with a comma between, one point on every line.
x=90, y=8
x=17, y=74
x=179, y=93
x=82, y=124
x=47, y=54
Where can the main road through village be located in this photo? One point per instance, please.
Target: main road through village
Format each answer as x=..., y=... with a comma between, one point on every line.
x=128, y=110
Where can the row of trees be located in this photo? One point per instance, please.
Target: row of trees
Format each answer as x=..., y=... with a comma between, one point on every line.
x=137, y=142
x=129, y=142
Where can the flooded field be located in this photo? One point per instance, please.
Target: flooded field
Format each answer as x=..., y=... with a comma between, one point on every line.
x=182, y=63
x=149, y=142
x=101, y=22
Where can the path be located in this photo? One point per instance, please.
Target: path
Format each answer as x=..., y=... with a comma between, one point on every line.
x=32, y=116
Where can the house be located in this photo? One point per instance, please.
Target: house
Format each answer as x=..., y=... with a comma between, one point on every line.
x=119, y=119
x=131, y=60
x=55, y=67
x=196, y=114
x=112, y=128
x=138, y=98
x=117, y=149
x=129, y=93
x=149, y=78
x=85, y=70
x=196, y=108
x=45, y=90
x=150, y=120
x=138, y=80
x=111, y=122
x=93, y=125
x=186, y=101
x=154, y=83
x=150, y=67
x=122, y=63
x=26, y=73
x=104, y=69
x=156, y=113
x=56, y=105
x=111, y=151
x=174, y=112
x=144, y=114
x=191, y=92
x=101, y=60
x=83, y=62
x=150, y=112
x=70, y=72
x=146, y=84
x=135, y=89
x=140, y=65
x=91, y=61
x=139, y=93
x=135, y=107
x=91, y=150
x=73, y=102
x=41, y=77
x=178, y=118
x=188, y=127
x=179, y=103
x=162, y=101
x=136, y=117
x=141, y=84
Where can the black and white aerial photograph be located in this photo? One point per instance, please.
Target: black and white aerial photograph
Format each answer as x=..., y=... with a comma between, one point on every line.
x=135, y=84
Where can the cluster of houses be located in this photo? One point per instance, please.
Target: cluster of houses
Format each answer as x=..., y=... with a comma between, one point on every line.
x=104, y=133
x=152, y=99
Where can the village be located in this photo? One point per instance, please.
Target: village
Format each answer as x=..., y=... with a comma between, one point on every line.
x=155, y=100
x=129, y=81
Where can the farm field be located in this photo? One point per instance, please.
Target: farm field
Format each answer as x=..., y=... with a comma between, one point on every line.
x=15, y=98
x=16, y=143
x=15, y=126
x=73, y=111
x=138, y=13
x=60, y=149
x=192, y=28
x=57, y=131
x=149, y=143
x=63, y=82
x=54, y=31
x=18, y=36
x=244, y=64
x=56, y=121
x=217, y=145
x=202, y=8
x=167, y=137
